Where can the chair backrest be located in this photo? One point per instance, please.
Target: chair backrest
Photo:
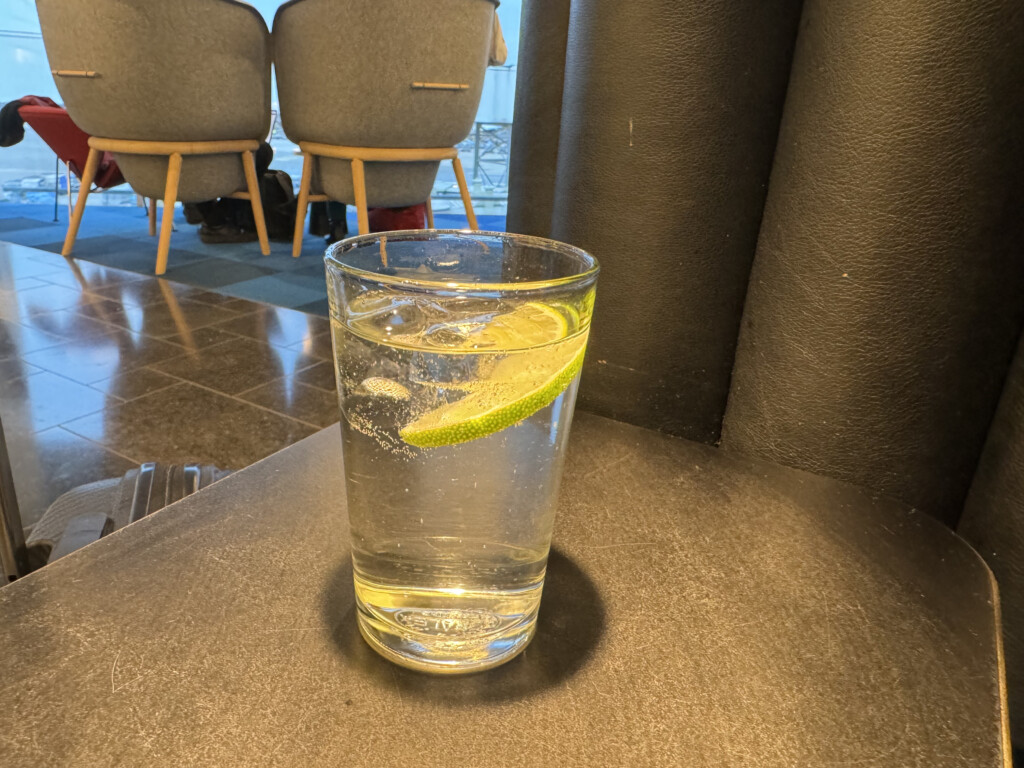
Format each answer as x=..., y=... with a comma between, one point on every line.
x=187, y=70
x=346, y=70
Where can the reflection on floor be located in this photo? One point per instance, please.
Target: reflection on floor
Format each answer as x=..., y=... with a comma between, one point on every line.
x=118, y=236
x=102, y=369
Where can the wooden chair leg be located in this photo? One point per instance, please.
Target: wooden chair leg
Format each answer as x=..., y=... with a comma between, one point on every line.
x=91, y=164
x=251, y=180
x=151, y=210
x=167, y=224
x=302, y=203
x=359, y=185
x=467, y=201
x=430, y=215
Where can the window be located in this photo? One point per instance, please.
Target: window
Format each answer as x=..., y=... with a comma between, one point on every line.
x=28, y=173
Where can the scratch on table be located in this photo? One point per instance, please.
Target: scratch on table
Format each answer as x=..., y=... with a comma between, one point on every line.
x=601, y=468
x=828, y=623
x=623, y=544
x=113, y=669
x=288, y=629
x=398, y=686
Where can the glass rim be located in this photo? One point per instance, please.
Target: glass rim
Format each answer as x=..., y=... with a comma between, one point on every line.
x=334, y=251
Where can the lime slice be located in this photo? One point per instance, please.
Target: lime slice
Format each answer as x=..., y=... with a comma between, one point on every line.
x=519, y=386
x=529, y=325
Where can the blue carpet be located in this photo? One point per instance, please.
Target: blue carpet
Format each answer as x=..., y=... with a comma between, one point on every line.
x=118, y=236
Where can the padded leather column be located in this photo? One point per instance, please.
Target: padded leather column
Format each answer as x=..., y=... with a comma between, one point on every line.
x=669, y=120
x=544, y=29
x=885, y=299
x=993, y=522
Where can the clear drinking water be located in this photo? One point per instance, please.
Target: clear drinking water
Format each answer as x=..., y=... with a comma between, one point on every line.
x=456, y=395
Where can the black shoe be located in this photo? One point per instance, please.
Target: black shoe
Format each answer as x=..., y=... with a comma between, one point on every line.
x=225, y=233
x=192, y=213
x=339, y=231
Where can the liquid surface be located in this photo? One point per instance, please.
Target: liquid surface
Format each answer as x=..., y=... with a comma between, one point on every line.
x=450, y=536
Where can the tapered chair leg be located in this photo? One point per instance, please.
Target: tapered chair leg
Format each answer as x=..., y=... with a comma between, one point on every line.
x=359, y=185
x=467, y=201
x=302, y=203
x=430, y=215
x=91, y=164
x=251, y=180
x=151, y=210
x=167, y=224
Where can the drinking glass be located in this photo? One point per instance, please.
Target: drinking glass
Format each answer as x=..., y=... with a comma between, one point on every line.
x=458, y=356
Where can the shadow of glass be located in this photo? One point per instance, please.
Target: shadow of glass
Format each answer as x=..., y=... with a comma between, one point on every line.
x=571, y=622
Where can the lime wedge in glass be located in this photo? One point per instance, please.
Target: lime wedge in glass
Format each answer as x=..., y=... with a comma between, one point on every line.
x=540, y=365
x=529, y=325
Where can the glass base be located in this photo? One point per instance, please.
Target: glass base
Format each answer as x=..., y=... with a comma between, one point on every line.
x=444, y=652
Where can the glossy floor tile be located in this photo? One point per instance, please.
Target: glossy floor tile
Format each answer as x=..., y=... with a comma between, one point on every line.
x=276, y=325
x=186, y=420
x=19, y=304
x=13, y=368
x=288, y=395
x=236, y=366
x=102, y=369
x=21, y=284
x=90, y=277
x=70, y=325
x=48, y=463
x=320, y=376
x=17, y=339
x=200, y=338
x=113, y=355
x=317, y=346
x=117, y=236
x=158, y=319
x=139, y=382
x=14, y=265
x=157, y=290
x=43, y=400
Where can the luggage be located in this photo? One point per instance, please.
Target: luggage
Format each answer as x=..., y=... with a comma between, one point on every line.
x=88, y=512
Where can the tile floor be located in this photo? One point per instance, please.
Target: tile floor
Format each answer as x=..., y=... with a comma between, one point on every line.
x=102, y=369
x=118, y=236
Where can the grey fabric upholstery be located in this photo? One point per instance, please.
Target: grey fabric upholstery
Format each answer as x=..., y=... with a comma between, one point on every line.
x=669, y=120
x=885, y=299
x=187, y=70
x=544, y=35
x=344, y=74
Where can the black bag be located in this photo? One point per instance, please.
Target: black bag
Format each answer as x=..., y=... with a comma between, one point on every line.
x=279, y=206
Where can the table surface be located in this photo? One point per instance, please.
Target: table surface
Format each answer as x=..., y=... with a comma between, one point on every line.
x=701, y=609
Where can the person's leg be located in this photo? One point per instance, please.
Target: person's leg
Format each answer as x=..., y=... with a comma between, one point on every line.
x=338, y=224
x=319, y=224
x=228, y=220
x=223, y=221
